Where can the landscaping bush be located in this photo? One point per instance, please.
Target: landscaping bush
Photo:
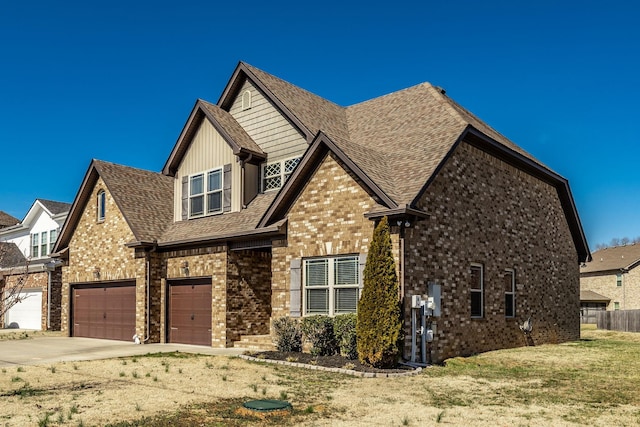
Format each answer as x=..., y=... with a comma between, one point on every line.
x=344, y=329
x=318, y=330
x=379, y=317
x=287, y=334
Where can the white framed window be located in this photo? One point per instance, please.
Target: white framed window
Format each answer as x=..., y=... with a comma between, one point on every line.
x=102, y=205
x=618, y=279
x=476, y=287
x=44, y=243
x=275, y=174
x=53, y=236
x=331, y=285
x=205, y=193
x=35, y=245
x=509, y=293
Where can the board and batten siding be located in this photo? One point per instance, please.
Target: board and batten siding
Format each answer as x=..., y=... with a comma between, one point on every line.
x=266, y=125
x=207, y=151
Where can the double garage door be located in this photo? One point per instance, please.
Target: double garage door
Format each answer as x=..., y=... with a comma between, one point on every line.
x=108, y=311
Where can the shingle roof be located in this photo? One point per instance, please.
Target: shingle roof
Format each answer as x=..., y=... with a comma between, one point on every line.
x=144, y=198
x=393, y=138
x=11, y=256
x=614, y=258
x=7, y=220
x=586, y=295
x=211, y=227
x=55, y=207
x=232, y=128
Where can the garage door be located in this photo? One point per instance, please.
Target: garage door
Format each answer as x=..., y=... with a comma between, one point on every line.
x=27, y=314
x=105, y=311
x=190, y=312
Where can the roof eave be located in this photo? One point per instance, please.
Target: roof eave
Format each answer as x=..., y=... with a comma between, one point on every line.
x=233, y=86
x=478, y=139
x=274, y=230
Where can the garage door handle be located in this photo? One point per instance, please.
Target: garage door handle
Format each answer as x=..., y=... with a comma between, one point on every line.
x=104, y=315
x=193, y=316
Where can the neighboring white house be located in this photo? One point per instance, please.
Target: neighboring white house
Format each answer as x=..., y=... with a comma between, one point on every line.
x=34, y=237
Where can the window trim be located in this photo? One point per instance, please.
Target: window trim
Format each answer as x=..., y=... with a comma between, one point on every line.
x=618, y=279
x=102, y=205
x=481, y=291
x=512, y=272
x=283, y=175
x=35, y=245
x=246, y=100
x=205, y=193
x=331, y=286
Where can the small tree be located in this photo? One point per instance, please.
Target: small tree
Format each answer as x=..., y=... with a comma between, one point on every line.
x=379, y=317
x=13, y=276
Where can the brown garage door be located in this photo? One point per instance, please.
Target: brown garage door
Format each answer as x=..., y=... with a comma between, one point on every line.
x=105, y=311
x=190, y=312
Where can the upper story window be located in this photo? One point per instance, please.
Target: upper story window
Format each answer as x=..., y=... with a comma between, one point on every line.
x=205, y=193
x=275, y=174
x=42, y=243
x=476, y=285
x=102, y=205
x=509, y=293
x=331, y=285
x=618, y=279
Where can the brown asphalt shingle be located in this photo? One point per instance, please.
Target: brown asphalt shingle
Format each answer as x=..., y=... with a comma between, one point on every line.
x=11, y=256
x=232, y=128
x=55, y=207
x=219, y=225
x=7, y=220
x=613, y=258
x=144, y=198
x=398, y=140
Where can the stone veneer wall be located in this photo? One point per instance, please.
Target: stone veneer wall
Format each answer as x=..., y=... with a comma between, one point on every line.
x=327, y=218
x=485, y=211
x=604, y=283
x=241, y=289
x=248, y=294
x=102, y=244
x=56, y=295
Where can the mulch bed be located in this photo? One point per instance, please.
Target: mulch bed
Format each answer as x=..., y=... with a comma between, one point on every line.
x=335, y=361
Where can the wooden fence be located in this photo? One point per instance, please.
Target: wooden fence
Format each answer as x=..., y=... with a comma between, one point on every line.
x=621, y=320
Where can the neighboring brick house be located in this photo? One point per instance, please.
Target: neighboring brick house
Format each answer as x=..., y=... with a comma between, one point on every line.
x=27, y=247
x=611, y=281
x=267, y=204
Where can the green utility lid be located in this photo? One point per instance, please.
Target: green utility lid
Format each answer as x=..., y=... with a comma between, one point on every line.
x=267, y=405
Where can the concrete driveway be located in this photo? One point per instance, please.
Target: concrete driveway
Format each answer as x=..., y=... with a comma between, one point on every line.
x=45, y=350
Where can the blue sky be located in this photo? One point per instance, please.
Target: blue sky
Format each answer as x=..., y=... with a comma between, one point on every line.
x=117, y=80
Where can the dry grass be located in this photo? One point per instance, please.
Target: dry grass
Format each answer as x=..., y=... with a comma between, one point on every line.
x=594, y=381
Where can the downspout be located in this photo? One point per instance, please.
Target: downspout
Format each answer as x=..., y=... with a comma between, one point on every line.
x=148, y=280
x=48, y=299
x=242, y=179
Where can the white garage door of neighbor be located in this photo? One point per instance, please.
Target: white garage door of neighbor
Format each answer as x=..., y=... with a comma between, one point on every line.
x=27, y=313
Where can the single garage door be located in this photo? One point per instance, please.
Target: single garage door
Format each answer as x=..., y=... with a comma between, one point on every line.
x=105, y=311
x=190, y=312
x=27, y=314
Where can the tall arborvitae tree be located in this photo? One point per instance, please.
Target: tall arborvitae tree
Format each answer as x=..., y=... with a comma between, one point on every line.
x=379, y=317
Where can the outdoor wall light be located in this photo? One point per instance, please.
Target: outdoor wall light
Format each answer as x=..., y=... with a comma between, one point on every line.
x=96, y=272
x=184, y=267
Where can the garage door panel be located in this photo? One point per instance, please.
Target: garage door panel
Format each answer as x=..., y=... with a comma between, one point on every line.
x=27, y=314
x=190, y=313
x=106, y=311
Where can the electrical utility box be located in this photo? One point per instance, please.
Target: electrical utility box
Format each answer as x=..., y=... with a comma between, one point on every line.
x=435, y=296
